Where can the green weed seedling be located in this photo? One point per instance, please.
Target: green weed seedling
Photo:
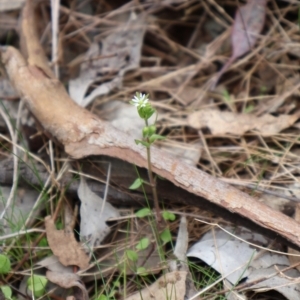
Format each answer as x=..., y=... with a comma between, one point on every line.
x=7, y=292
x=149, y=137
x=5, y=265
x=37, y=284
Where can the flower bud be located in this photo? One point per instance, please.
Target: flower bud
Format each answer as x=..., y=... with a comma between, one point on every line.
x=152, y=129
x=145, y=131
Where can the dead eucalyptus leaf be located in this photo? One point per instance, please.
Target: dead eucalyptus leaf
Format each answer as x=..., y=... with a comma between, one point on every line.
x=69, y=281
x=224, y=122
x=170, y=286
x=64, y=246
x=53, y=264
x=94, y=213
x=248, y=23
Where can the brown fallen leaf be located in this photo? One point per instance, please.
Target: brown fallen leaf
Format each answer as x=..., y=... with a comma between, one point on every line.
x=169, y=286
x=223, y=122
x=248, y=23
x=64, y=246
x=69, y=281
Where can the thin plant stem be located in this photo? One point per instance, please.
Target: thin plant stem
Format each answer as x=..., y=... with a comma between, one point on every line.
x=153, y=186
x=153, y=182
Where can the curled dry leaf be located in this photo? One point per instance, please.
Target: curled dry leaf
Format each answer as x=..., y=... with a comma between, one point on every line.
x=169, y=286
x=94, y=213
x=69, y=281
x=64, y=246
x=223, y=122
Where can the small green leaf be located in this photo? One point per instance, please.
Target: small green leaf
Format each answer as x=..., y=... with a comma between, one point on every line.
x=142, y=142
x=37, y=284
x=136, y=184
x=4, y=264
x=102, y=297
x=168, y=216
x=142, y=271
x=7, y=292
x=166, y=236
x=144, y=212
x=143, y=244
x=156, y=137
x=43, y=242
x=132, y=255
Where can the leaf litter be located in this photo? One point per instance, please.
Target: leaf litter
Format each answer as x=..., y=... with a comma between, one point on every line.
x=94, y=213
x=262, y=152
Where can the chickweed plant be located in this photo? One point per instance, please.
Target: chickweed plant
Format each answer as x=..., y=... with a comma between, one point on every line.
x=149, y=136
x=145, y=111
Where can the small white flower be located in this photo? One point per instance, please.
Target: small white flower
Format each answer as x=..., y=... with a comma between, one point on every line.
x=140, y=100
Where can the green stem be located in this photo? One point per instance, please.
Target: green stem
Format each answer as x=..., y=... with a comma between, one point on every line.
x=153, y=182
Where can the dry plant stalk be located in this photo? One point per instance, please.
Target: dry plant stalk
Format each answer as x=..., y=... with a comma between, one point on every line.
x=84, y=134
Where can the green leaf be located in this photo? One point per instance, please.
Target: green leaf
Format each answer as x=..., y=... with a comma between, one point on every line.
x=143, y=244
x=102, y=297
x=142, y=142
x=43, y=242
x=142, y=271
x=144, y=212
x=4, y=264
x=168, y=216
x=156, y=137
x=7, y=292
x=37, y=284
x=132, y=255
x=136, y=184
x=166, y=236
